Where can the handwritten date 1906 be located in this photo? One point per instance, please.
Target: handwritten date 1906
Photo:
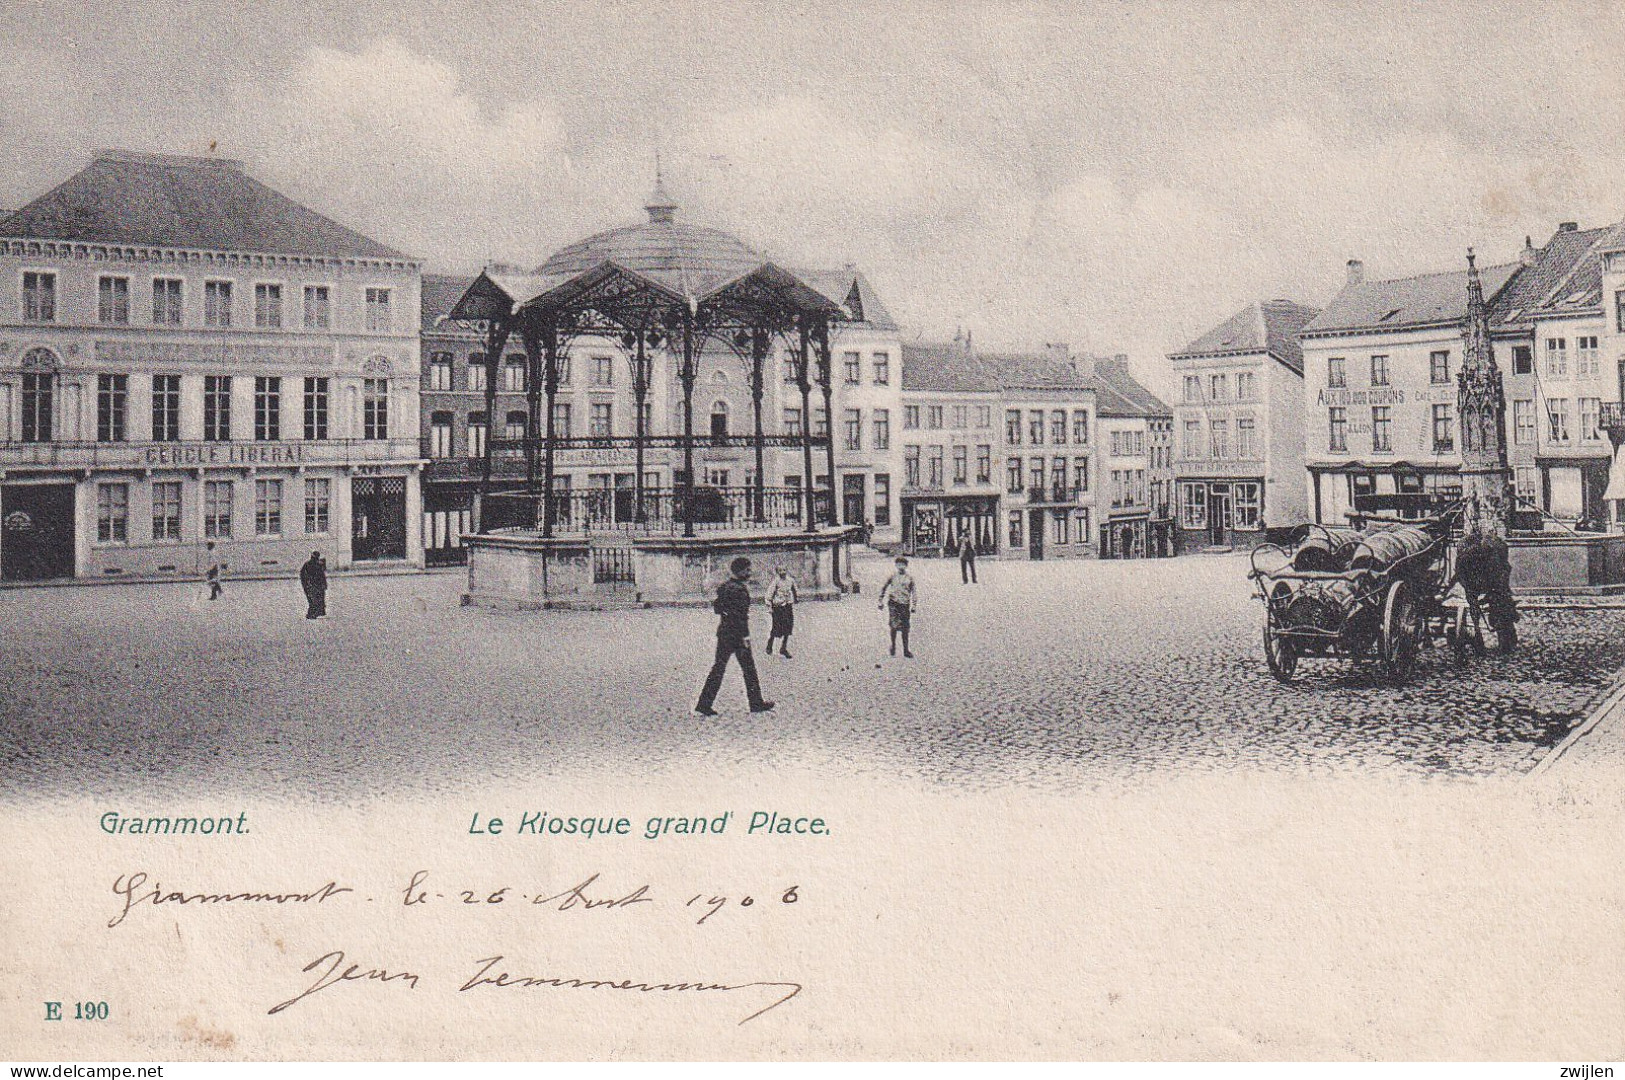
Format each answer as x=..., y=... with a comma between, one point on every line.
x=588, y=895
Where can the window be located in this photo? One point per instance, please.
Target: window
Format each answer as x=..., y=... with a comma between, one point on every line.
x=911, y=466
x=984, y=463
x=961, y=417
x=882, y=426
x=790, y=367
x=1192, y=446
x=1218, y=387
x=1117, y=487
x=603, y=371
x=1337, y=427
x=318, y=308
x=1193, y=506
x=601, y=422
x=1081, y=519
x=984, y=418
x=1057, y=480
x=1336, y=376
x=1193, y=389
x=1557, y=358
x=1523, y=422
x=440, y=371
x=1012, y=427
x=882, y=378
x=1012, y=475
x=1586, y=363
x=1382, y=429
x=1619, y=311
x=39, y=296
x=374, y=408
x=316, y=407
x=268, y=306
x=318, y=505
x=166, y=408
x=933, y=462
x=1439, y=367
x=166, y=509
x=113, y=300
x=513, y=373
x=112, y=513
x=479, y=375
x=1246, y=441
x=820, y=422
x=514, y=426
x=440, y=435
x=1591, y=418
x=792, y=421
x=1246, y=386
x=1035, y=478
x=853, y=419
x=1246, y=504
x=1057, y=427
x=112, y=394
x=378, y=317
x=1523, y=360
x=561, y=364
x=852, y=363
x=1017, y=539
x=268, y=508
x=166, y=301
x=1379, y=371
x=267, y=408
x=1080, y=427
x=1035, y=428
x=933, y=417
x=217, y=497
x=1557, y=412
x=1080, y=477
x=1444, y=430
x=217, y=407
x=911, y=417
x=1060, y=527
x=1219, y=439
x=882, y=498
x=38, y=395
x=477, y=429
x=961, y=465
x=1525, y=479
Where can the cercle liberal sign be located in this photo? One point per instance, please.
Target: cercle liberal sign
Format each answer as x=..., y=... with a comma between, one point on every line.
x=225, y=454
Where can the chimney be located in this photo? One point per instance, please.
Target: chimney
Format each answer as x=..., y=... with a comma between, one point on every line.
x=1527, y=256
x=1568, y=226
x=1356, y=271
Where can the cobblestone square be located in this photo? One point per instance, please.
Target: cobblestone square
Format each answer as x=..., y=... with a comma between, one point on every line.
x=1054, y=675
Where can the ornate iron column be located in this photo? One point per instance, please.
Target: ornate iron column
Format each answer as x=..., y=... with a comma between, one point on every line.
x=640, y=394
x=804, y=384
x=825, y=378
x=549, y=335
x=688, y=375
x=759, y=341
x=496, y=339
x=533, y=393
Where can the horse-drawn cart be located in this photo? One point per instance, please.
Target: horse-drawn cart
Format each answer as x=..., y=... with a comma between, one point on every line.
x=1377, y=594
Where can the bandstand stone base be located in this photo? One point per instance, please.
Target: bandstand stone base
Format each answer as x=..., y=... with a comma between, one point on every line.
x=521, y=570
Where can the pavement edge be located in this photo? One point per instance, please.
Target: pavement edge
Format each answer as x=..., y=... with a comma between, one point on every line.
x=1613, y=703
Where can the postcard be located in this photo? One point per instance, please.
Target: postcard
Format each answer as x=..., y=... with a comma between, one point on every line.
x=723, y=531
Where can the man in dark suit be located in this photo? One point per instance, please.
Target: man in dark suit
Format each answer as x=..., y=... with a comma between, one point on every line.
x=733, y=639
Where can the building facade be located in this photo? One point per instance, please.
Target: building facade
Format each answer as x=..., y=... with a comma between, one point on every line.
x=1238, y=428
x=188, y=357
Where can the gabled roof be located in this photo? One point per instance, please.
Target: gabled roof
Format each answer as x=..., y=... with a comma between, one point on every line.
x=1566, y=276
x=1425, y=300
x=854, y=292
x=956, y=368
x=160, y=200
x=1269, y=326
x=440, y=292
x=1119, y=394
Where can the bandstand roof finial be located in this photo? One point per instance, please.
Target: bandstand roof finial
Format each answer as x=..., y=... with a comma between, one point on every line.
x=660, y=205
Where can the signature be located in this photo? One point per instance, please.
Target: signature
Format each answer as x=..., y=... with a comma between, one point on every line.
x=332, y=976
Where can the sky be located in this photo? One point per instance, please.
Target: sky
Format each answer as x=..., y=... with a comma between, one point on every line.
x=1121, y=177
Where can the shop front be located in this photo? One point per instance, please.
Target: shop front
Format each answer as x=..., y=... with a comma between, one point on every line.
x=934, y=527
x=1220, y=514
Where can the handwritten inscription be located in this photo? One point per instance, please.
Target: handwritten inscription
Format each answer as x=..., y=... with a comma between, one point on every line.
x=135, y=891
x=588, y=895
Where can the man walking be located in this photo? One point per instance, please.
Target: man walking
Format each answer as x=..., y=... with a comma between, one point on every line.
x=212, y=574
x=897, y=598
x=781, y=601
x=967, y=559
x=733, y=639
x=313, y=578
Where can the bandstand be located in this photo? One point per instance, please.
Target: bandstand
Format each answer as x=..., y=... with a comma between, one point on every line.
x=661, y=298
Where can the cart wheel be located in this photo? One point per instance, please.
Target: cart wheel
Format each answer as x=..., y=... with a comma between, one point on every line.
x=1279, y=652
x=1399, y=631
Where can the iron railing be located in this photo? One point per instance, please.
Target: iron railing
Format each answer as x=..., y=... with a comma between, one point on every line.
x=600, y=511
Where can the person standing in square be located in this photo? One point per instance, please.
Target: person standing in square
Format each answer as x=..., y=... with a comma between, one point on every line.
x=732, y=605
x=781, y=601
x=898, y=599
x=967, y=558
